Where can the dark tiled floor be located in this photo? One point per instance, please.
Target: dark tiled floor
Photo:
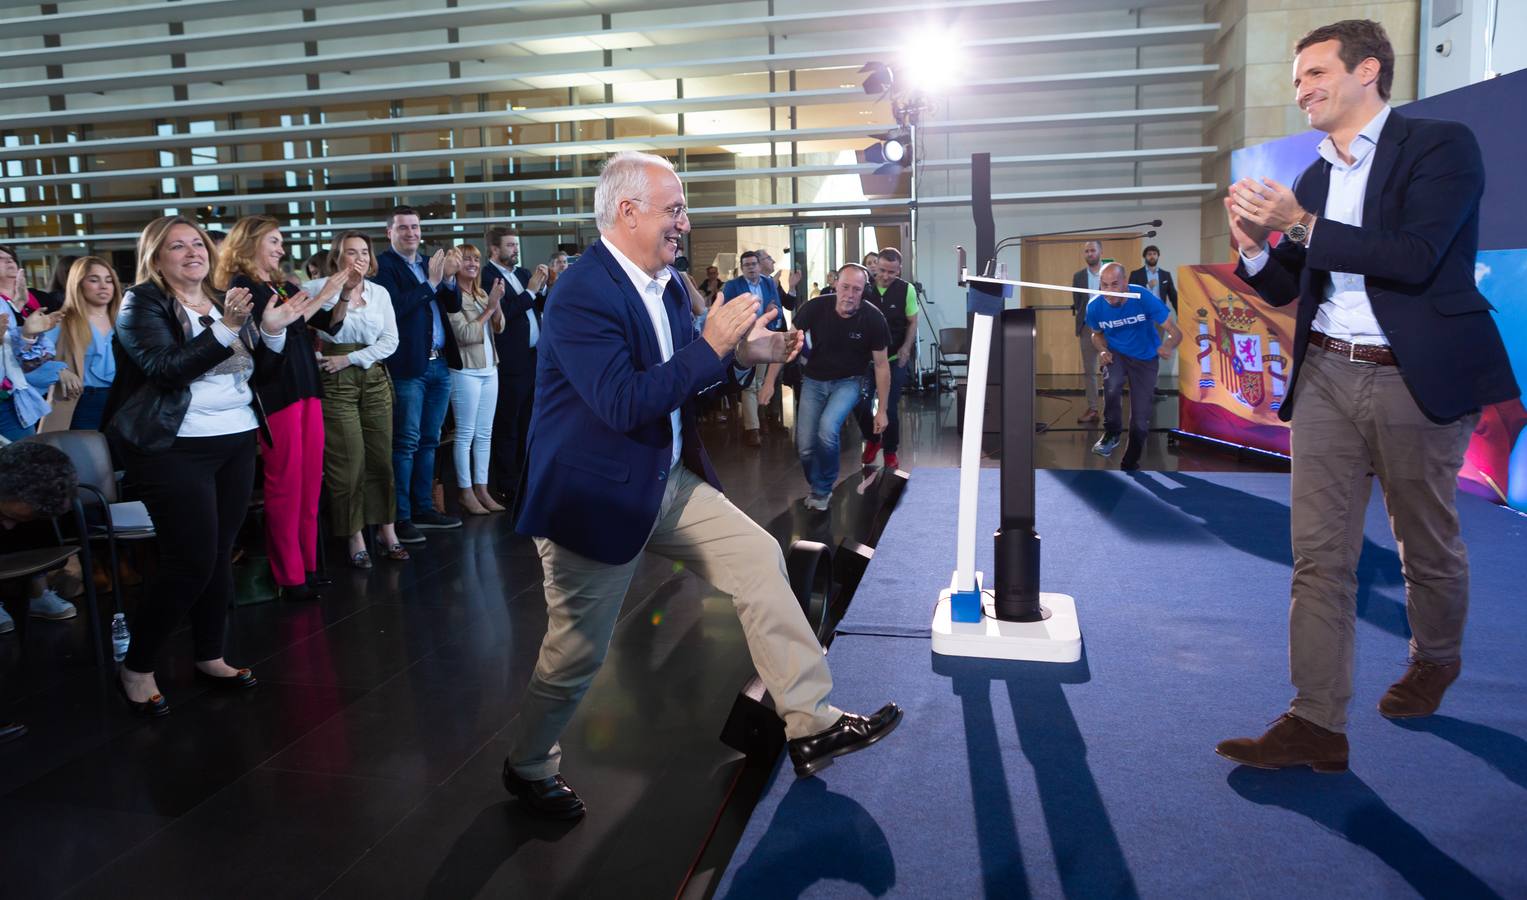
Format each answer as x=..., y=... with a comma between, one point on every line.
x=367, y=763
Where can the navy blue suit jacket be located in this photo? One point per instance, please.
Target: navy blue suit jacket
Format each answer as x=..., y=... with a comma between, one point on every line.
x=1416, y=250
x=412, y=307
x=515, y=355
x=601, y=439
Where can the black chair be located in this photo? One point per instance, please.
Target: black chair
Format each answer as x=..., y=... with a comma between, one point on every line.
x=91, y=455
x=950, y=350
x=27, y=564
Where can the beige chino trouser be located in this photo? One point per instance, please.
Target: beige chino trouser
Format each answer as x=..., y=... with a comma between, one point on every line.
x=1089, y=367
x=1353, y=421
x=699, y=527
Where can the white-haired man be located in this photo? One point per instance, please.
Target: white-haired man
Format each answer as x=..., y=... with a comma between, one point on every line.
x=616, y=468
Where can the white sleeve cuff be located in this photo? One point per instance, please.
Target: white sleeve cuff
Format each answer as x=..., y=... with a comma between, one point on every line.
x=225, y=335
x=1255, y=264
x=274, y=343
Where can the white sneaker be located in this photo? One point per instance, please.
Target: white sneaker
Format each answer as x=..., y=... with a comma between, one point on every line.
x=819, y=504
x=7, y=624
x=51, y=606
x=1106, y=445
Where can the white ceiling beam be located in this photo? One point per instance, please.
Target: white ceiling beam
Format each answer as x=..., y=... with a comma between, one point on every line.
x=671, y=68
x=510, y=150
x=415, y=21
x=587, y=112
x=139, y=14
x=707, y=215
x=1105, y=117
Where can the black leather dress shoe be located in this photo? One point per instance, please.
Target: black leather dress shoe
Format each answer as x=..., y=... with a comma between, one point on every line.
x=9, y=731
x=815, y=752
x=241, y=680
x=551, y=797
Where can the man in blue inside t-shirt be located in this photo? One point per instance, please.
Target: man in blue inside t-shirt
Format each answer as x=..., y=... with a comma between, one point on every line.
x=1127, y=333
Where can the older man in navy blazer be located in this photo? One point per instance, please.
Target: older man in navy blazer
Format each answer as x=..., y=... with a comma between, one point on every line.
x=1395, y=353
x=616, y=468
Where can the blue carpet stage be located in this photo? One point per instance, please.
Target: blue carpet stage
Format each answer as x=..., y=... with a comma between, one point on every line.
x=1099, y=779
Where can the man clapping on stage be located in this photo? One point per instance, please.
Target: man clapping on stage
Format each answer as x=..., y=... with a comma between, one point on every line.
x=616, y=468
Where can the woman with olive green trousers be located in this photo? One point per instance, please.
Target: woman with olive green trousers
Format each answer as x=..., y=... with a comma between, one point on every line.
x=358, y=330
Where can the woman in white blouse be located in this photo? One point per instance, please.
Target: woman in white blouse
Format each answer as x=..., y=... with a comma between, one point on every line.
x=182, y=416
x=359, y=330
x=474, y=377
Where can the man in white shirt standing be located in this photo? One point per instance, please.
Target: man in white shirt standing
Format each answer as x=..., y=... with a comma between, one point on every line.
x=617, y=468
x=1395, y=353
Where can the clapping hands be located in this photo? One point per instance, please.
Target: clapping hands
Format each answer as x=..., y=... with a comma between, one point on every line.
x=727, y=322
x=39, y=323
x=764, y=345
x=495, y=297
x=277, y=317
x=538, y=279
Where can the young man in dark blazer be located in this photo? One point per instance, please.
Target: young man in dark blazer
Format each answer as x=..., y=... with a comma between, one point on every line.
x=1154, y=278
x=524, y=301
x=616, y=468
x=422, y=296
x=1395, y=353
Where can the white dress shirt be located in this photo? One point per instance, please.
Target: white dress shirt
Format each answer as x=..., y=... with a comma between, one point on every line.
x=516, y=287
x=373, y=325
x=1346, y=313
x=651, y=289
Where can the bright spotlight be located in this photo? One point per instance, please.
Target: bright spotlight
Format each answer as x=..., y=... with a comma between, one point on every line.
x=931, y=63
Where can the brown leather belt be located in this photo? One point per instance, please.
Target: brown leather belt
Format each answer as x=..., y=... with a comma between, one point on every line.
x=1373, y=354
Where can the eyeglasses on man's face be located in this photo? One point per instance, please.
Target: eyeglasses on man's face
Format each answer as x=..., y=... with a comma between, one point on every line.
x=675, y=212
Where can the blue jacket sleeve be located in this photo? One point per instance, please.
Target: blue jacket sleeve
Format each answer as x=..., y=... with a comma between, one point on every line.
x=407, y=292
x=593, y=350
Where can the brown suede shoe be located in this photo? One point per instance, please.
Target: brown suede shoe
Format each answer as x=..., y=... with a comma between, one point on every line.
x=750, y=438
x=1291, y=741
x=1419, y=691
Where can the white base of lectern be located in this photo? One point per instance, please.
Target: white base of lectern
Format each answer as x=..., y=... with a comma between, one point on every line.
x=1057, y=639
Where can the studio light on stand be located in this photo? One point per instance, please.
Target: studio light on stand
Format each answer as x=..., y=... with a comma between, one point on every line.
x=928, y=66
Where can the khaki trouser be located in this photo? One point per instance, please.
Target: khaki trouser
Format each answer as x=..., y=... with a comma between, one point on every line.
x=1353, y=421
x=1089, y=367
x=357, y=457
x=699, y=527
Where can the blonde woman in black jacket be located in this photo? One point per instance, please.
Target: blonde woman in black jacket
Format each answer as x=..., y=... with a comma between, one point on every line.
x=182, y=416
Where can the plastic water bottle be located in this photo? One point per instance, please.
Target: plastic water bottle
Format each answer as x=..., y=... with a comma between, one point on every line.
x=120, y=637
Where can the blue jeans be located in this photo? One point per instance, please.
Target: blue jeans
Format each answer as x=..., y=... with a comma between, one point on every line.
x=417, y=415
x=90, y=409
x=865, y=412
x=10, y=426
x=824, y=407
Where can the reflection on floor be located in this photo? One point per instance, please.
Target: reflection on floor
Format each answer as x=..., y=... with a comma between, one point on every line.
x=366, y=763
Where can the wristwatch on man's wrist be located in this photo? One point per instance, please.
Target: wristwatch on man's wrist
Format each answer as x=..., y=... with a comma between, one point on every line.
x=1299, y=232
